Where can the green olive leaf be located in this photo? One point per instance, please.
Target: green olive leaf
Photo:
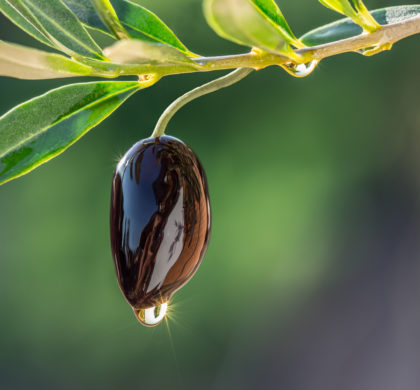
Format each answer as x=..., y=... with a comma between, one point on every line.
x=54, y=20
x=357, y=12
x=139, y=22
x=346, y=28
x=40, y=129
x=340, y=6
x=133, y=51
x=368, y=21
x=270, y=9
x=142, y=22
x=109, y=17
x=22, y=20
x=30, y=64
x=246, y=23
x=86, y=13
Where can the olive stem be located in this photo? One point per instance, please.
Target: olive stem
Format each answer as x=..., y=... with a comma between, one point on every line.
x=380, y=39
x=222, y=82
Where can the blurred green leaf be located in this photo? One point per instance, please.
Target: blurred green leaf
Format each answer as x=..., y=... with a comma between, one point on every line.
x=246, y=23
x=359, y=13
x=23, y=21
x=133, y=51
x=31, y=64
x=346, y=28
x=139, y=22
x=270, y=9
x=55, y=21
x=340, y=6
x=40, y=129
x=368, y=21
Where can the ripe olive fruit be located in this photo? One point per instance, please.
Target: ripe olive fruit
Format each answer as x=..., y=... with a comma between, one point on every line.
x=160, y=223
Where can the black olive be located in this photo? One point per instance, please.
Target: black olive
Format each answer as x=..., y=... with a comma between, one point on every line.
x=160, y=222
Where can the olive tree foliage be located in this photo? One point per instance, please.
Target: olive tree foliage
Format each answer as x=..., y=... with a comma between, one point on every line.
x=144, y=46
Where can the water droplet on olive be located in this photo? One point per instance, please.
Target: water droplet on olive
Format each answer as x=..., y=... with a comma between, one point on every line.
x=160, y=223
x=152, y=316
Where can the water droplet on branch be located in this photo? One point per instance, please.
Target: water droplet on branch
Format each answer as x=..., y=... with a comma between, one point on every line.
x=300, y=70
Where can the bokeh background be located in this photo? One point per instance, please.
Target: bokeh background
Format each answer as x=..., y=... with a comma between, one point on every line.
x=311, y=280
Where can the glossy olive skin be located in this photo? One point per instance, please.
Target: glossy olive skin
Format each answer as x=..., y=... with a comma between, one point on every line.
x=160, y=219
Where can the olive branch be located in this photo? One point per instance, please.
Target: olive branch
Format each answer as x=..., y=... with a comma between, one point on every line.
x=39, y=129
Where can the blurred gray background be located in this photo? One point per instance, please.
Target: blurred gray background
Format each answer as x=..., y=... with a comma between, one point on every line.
x=311, y=280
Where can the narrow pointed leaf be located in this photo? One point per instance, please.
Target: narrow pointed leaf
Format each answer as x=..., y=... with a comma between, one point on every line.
x=21, y=21
x=139, y=22
x=340, y=6
x=360, y=15
x=25, y=63
x=240, y=21
x=109, y=18
x=346, y=28
x=26, y=13
x=365, y=14
x=86, y=13
x=270, y=9
x=40, y=129
x=132, y=51
x=54, y=20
